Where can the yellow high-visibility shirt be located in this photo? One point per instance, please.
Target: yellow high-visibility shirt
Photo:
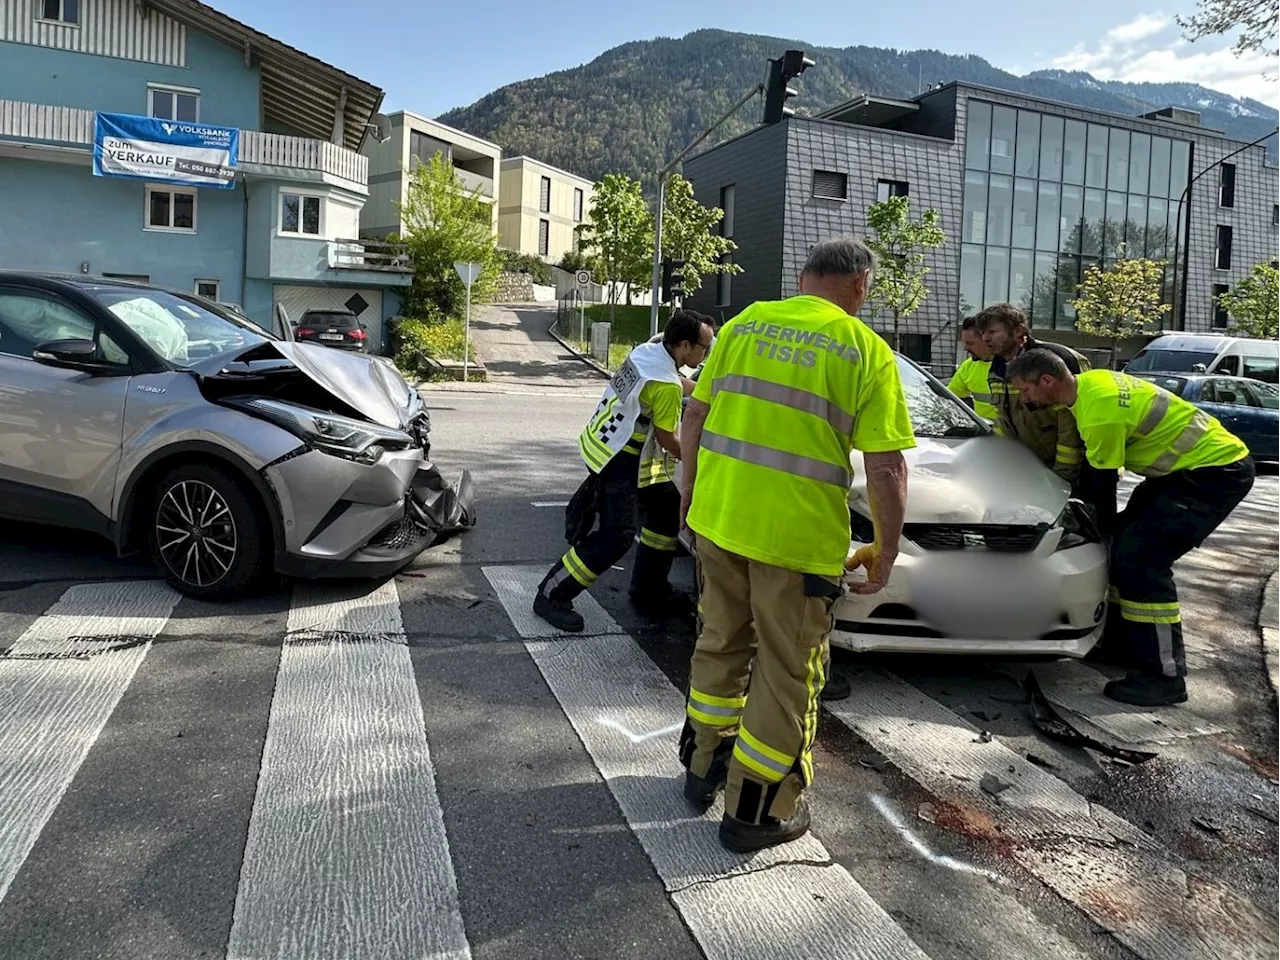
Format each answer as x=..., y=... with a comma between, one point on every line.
x=970, y=380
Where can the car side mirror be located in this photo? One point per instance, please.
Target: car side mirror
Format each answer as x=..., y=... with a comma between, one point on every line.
x=73, y=354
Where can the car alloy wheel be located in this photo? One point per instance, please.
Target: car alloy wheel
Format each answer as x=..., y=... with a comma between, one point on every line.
x=196, y=533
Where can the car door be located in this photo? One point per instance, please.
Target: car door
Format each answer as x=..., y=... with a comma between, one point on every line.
x=1226, y=399
x=60, y=430
x=1265, y=417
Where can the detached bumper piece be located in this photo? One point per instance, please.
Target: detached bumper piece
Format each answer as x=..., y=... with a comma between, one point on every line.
x=439, y=509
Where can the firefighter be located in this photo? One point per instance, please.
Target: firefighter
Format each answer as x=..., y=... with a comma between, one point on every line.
x=791, y=388
x=1196, y=472
x=970, y=381
x=643, y=399
x=1048, y=431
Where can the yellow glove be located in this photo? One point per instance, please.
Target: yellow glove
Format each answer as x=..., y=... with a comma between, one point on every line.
x=877, y=565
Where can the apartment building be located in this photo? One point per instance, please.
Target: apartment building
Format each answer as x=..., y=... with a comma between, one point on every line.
x=274, y=232
x=1031, y=194
x=415, y=140
x=540, y=207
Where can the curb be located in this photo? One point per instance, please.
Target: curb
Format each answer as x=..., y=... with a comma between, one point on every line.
x=1269, y=627
x=589, y=361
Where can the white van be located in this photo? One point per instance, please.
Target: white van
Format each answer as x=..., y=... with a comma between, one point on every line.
x=1209, y=353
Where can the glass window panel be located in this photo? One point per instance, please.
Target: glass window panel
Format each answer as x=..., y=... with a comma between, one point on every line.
x=1050, y=148
x=999, y=209
x=1095, y=171
x=1003, y=129
x=184, y=210
x=1027, y=158
x=311, y=215
x=1158, y=245
x=972, y=266
x=1073, y=152
x=159, y=216
x=977, y=141
x=1072, y=215
x=1135, y=227
x=995, y=287
x=1047, y=212
x=1178, y=166
x=71, y=11
x=1118, y=161
x=188, y=106
x=162, y=104
x=1024, y=214
x=1068, y=289
x=1159, y=186
x=1043, y=288
x=975, y=207
x=1140, y=162
x=51, y=9
x=1021, y=274
x=1091, y=230
x=291, y=213
x=1113, y=233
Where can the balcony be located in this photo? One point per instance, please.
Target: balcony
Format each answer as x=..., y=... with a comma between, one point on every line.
x=266, y=154
x=369, y=255
x=473, y=181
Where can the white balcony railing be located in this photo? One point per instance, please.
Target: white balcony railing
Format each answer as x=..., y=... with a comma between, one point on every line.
x=369, y=255
x=473, y=181
x=70, y=126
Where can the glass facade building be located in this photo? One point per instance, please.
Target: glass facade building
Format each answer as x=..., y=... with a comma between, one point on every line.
x=1046, y=197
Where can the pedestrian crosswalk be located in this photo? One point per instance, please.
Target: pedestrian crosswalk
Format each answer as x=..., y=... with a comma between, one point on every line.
x=398, y=806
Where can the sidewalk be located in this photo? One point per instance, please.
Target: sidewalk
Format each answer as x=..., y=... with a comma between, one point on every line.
x=1268, y=624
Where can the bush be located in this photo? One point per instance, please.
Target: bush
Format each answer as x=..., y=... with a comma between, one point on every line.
x=414, y=339
x=513, y=262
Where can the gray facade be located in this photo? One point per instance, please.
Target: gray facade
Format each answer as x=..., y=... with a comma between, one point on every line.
x=1034, y=197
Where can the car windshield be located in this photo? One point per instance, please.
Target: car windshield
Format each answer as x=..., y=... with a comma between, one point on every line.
x=935, y=412
x=1172, y=361
x=181, y=331
x=1174, y=385
x=345, y=321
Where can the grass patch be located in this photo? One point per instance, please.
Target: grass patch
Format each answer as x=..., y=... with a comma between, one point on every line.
x=630, y=324
x=617, y=351
x=437, y=338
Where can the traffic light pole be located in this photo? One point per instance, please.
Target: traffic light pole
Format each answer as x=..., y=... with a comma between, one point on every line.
x=662, y=196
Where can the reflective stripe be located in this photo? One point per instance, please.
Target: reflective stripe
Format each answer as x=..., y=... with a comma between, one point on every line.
x=577, y=569
x=714, y=711
x=841, y=420
x=1069, y=454
x=814, y=683
x=711, y=700
x=1182, y=444
x=1159, y=613
x=1159, y=407
x=1164, y=641
x=770, y=764
x=762, y=456
x=657, y=541
x=981, y=397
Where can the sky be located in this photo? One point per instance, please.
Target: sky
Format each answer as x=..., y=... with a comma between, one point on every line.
x=431, y=57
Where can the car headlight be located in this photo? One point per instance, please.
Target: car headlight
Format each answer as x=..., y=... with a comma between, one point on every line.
x=339, y=436
x=1077, y=526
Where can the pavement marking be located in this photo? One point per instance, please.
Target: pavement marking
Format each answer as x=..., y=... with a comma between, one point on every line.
x=622, y=707
x=52, y=711
x=1077, y=688
x=1116, y=874
x=550, y=503
x=347, y=854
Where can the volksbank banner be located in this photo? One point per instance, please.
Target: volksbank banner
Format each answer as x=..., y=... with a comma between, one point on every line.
x=172, y=151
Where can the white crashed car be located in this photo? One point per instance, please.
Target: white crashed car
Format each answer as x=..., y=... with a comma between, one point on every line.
x=995, y=557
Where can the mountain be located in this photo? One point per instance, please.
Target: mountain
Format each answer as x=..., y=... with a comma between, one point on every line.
x=637, y=105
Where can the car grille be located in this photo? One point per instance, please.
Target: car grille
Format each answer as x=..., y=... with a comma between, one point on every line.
x=396, y=536
x=998, y=537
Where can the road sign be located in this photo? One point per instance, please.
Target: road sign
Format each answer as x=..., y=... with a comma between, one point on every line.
x=583, y=277
x=467, y=272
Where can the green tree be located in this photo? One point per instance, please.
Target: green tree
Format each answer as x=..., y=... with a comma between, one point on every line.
x=1121, y=301
x=689, y=233
x=618, y=235
x=1256, y=20
x=444, y=224
x=1254, y=304
x=900, y=244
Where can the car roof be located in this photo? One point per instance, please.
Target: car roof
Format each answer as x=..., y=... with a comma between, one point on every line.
x=79, y=281
x=1189, y=341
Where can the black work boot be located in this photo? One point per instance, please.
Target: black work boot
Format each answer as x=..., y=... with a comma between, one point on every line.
x=1147, y=690
x=661, y=604
x=555, y=604
x=701, y=791
x=838, y=687
x=742, y=837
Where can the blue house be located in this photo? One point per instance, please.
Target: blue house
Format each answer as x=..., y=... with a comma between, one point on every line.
x=282, y=241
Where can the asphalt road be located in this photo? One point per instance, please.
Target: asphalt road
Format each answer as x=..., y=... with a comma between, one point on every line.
x=415, y=769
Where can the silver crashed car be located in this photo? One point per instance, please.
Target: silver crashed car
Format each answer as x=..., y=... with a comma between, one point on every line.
x=181, y=429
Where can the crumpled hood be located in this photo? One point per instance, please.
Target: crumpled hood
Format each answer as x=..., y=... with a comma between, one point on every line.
x=368, y=384
x=977, y=480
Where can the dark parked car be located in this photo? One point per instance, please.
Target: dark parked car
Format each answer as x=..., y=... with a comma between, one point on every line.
x=1248, y=408
x=332, y=328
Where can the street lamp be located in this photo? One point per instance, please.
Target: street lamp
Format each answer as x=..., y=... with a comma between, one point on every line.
x=1177, y=219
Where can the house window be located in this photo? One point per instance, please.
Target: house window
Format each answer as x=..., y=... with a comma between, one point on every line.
x=173, y=103
x=1224, y=248
x=1275, y=214
x=423, y=147
x=63, y=11
x=1220, y=319
x=171, y=208
x=300, y=213
x=724, y=287
x=830, y=185
x=727, y=204
x=544, y=237
x=544, y=196
x=918, y=347
x=577, y=205
x=1227, y=186
x=209, y=289
x=890, y=188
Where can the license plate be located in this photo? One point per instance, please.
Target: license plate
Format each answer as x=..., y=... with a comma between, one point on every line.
x=331, y=336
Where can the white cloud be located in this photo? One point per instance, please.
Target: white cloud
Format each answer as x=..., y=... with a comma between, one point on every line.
x=1150, y=49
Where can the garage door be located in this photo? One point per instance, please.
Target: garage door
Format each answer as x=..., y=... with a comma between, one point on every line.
x=366, y=304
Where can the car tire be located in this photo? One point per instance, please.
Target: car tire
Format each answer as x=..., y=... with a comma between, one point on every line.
x=207, y=534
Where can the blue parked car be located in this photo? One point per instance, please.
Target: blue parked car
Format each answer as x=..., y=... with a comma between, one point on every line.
x=1248, y=408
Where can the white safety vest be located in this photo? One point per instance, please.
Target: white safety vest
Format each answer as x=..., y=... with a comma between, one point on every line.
x=618, y=415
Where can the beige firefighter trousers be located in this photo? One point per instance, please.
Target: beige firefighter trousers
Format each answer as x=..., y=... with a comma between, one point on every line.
x=762, y=717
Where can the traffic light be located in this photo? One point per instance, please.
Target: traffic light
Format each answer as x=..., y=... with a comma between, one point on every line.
x=777, y=93
x=672, y=280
